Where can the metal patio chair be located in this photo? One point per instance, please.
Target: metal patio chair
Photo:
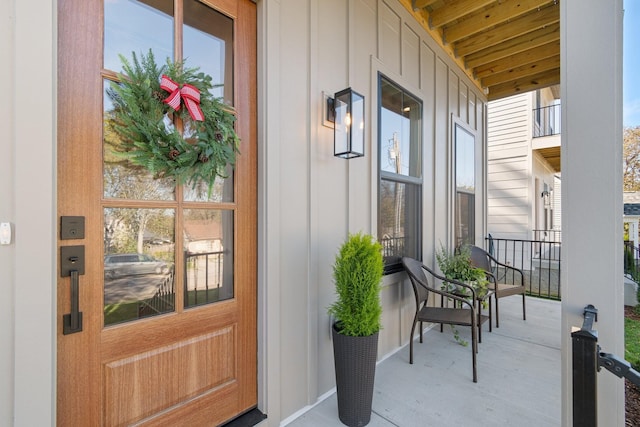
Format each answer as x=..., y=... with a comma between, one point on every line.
x=462, y=312
x=482, y=259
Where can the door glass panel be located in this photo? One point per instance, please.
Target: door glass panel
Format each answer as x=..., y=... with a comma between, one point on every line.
x=208, y=44
x=122, y=179
x=137, y=26
x=138, y=263
x=220, y=192
x=208, y=245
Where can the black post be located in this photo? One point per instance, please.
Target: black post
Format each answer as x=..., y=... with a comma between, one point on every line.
x=585, y=369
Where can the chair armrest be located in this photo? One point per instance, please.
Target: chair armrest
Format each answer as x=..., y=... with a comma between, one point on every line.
x=449, y=294
x=507, y=266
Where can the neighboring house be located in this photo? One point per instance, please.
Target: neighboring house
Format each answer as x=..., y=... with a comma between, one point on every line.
x=631, y=221
x=290, y=202
x=523, y=170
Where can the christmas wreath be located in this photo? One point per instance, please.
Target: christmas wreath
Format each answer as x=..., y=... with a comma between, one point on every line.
x=192, y=143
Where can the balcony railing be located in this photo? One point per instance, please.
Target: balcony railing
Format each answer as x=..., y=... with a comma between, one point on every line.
x=539, y=261
x=546, y=121
x=632, y=261
x=547, y=235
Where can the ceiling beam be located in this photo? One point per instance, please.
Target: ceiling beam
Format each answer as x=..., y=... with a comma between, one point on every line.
x=545, y=51
x=455, y=10
x=420, y=4
x=526, y=84
x=522, y=71
x=507, y=10
x=517, y=27
x=514, y=46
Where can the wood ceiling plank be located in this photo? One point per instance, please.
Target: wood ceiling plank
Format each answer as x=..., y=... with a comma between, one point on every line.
x=507, y=10
x=526, y=84
x=522, y=71
x=422, y=17
x=514, y=46
x=532, y=55
x=420, y=4
x=455, y=10
x=515, y=28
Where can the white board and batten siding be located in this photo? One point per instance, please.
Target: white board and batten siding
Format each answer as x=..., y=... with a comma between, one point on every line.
x=311, y=200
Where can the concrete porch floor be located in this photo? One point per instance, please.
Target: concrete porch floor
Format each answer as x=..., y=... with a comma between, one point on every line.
x=518, y=377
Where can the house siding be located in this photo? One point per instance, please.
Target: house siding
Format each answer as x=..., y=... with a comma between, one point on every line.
x=313, y=200
x=509, y=167
x=517, y=174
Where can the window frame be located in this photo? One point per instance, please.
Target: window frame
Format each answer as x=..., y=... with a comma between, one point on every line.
x=470, y=195
x=417, y=183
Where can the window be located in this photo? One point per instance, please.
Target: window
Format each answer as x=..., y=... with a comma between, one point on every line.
x=400, y=166
x=464, y=143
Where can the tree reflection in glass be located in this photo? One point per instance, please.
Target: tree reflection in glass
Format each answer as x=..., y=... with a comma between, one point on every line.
x=138, y=263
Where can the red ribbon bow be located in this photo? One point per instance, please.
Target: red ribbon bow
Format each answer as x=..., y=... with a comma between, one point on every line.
x=189, y=93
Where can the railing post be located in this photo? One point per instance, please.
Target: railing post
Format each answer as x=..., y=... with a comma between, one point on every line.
x=585, y=370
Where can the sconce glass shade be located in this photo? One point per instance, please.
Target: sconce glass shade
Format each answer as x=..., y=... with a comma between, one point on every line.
x=348, y=133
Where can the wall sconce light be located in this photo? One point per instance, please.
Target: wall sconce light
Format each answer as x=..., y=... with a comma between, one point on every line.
x=346, y=111
x=546, y=196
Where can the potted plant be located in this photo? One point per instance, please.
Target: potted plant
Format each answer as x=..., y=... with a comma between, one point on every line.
x=357, y=273
x=457, y=266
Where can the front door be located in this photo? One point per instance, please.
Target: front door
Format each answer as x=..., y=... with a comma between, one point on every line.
x=157, y=283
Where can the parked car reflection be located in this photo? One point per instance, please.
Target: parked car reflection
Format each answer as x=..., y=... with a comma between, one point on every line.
x=118, y=265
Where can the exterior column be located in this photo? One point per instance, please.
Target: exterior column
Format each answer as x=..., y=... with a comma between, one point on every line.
x=592, y=253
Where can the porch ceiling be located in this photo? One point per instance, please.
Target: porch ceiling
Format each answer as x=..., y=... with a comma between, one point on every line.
x=551, y=155
x=505, y=46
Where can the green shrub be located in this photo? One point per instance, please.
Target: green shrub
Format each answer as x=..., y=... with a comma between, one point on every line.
x=357, y=273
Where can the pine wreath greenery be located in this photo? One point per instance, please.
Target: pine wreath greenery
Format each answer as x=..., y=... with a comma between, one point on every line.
x=167, y=142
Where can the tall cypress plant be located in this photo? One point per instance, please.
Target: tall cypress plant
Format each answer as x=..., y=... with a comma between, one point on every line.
x=357, y=273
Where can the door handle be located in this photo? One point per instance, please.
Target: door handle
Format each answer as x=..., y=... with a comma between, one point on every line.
x=72, y=265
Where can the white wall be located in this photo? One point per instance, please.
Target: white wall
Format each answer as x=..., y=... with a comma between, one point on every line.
x=557, y=201
x=509, y=167
x=310, y=200
x=27, y=182
x=7, y=213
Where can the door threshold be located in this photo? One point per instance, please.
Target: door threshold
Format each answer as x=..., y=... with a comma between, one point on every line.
x=248, y=419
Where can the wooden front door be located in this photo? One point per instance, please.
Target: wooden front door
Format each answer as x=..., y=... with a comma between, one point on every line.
x=167, y=292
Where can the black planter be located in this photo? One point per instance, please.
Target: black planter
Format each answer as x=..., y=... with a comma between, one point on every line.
x=355, y=362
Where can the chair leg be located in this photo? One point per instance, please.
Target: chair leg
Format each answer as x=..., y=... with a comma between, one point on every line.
x=421, y=329
x=479, y=321
x=497, y=312
x=524, y=312
x=413, y=329
x=490, y=314
x=474, y=350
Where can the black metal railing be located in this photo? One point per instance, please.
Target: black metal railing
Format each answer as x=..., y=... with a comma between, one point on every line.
x=203, y=280
x=547, y=235
x=632, y=261
x=539, y=261
x=587, y=359
x=162, y=301
x=392, y=247
x=546, y=121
